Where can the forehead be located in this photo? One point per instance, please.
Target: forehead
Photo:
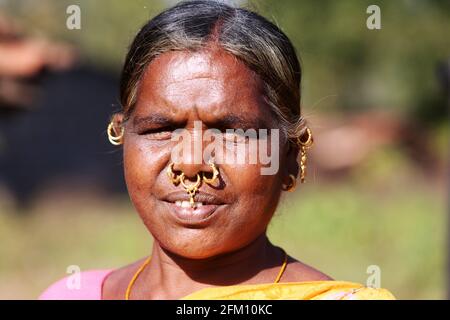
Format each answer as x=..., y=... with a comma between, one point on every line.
x=209, y=83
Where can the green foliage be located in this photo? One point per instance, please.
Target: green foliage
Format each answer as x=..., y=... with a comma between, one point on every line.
x=342, y=230
x=393, y=68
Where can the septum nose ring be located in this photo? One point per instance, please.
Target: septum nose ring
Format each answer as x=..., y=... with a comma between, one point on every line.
x=192, y=189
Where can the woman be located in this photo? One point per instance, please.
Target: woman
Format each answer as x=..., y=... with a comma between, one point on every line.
x=205, y=65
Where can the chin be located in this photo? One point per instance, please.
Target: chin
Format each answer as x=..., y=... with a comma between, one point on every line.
x=194, y=246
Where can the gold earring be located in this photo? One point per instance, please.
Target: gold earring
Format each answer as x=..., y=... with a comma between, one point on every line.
x=292, y=184
x=215, y=173
x=115, y=140
x=174, y=178
x=191, y=189
x=309, y=141
x=303, y=158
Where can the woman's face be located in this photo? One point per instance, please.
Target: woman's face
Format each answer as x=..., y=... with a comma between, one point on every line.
x=178, y=89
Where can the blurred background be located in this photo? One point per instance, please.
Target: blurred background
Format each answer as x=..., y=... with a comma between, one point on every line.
x=377, y=101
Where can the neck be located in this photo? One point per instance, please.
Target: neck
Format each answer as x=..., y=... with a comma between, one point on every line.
x=169, y=276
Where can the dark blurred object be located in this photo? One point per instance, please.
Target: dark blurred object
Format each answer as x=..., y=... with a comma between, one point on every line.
x=53, y=116
x=443, y=72
x=61, y=141
x=346, y=143
x=433, y=109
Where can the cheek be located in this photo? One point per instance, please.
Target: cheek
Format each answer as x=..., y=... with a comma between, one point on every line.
x=143, y=164
x=248, y=180
x=257, y=194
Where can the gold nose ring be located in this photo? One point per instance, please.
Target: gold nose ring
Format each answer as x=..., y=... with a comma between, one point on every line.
x=190, y=189
x=215, y=174
x=174, y=178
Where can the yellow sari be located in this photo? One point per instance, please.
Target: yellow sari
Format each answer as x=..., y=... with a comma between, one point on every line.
x=305, y=290
x=308, y=290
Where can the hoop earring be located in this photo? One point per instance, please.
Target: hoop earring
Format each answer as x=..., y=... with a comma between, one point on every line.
x=215, y=174
x=292, y=184
x=191, y=189
x=309, y=141
x=174, y=178
x=303, y=157
x=115, y=140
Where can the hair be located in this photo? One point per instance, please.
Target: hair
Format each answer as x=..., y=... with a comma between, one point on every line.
x=254, y=40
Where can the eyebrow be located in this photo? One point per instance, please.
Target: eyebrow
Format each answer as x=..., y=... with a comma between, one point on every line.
x=237, y=122
x=154, y=118
x=227, y=121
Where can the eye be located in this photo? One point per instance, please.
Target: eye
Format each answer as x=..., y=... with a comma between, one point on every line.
x=157, y=133
x=240, y=135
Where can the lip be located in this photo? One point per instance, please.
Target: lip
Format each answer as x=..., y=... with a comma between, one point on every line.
x=197, y=216
x=205, y=198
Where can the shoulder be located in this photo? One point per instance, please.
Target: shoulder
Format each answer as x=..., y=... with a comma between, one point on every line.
x=330, y=289
x=86, y=285
x=297, y=271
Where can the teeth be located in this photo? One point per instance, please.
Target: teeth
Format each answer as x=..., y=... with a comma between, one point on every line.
x=187, y=204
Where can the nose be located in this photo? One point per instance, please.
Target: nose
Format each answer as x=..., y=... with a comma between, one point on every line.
x=191, y=169
x=191, y=161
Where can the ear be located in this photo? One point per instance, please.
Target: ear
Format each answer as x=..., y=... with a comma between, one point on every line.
x=292, y=166
x=118, y=121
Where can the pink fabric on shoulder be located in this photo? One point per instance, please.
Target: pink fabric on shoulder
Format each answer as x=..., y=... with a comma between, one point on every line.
x=91, y=283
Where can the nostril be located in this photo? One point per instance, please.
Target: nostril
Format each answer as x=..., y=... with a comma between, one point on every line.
x=177, y=172
x=192, y=178
x=208, y=175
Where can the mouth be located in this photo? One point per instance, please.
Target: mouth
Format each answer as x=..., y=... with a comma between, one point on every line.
x=200, y=213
